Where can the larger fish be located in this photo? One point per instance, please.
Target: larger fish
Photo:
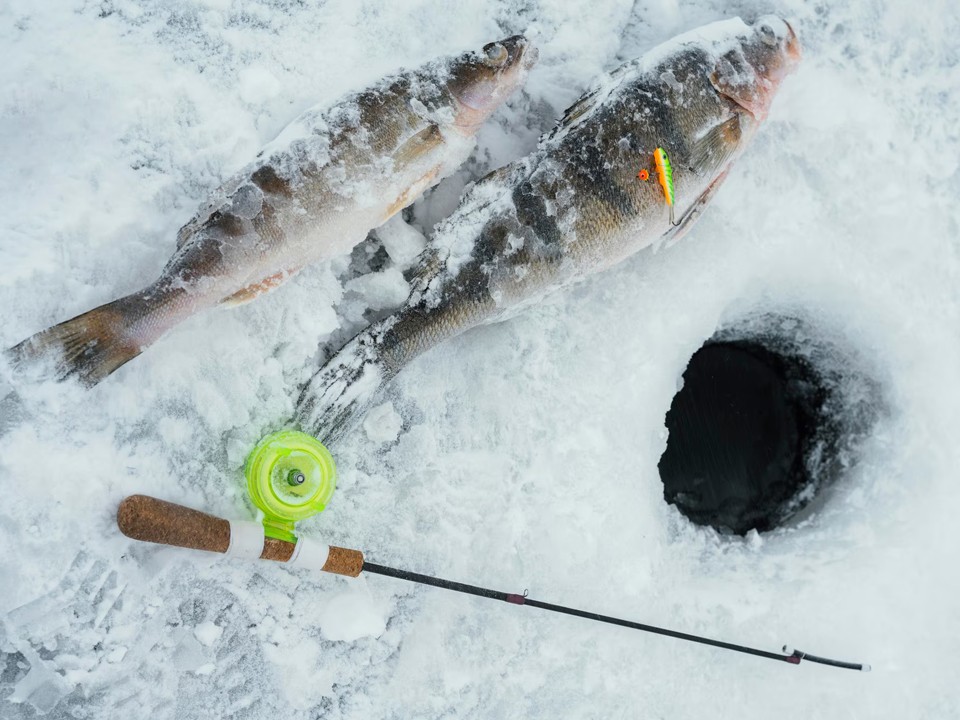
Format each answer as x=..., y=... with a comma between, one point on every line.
x=312, y=194
x=576, y=205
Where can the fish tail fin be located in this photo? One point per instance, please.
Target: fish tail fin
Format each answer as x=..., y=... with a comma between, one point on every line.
x=90, y=346
x=340, y=393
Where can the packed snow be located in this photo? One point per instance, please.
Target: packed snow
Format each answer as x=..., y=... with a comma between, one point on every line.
x=520, y=456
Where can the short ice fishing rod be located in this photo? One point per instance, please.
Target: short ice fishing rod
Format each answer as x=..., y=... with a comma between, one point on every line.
x=291, y=476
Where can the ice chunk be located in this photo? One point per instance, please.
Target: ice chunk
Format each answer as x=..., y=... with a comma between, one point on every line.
x=382, y=424
x=381, y=290
x=402, y=241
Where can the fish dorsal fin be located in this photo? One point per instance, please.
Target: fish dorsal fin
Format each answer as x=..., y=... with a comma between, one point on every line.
x=186, y=232
x=194, y=224
x=592, y=99
x=573, y=114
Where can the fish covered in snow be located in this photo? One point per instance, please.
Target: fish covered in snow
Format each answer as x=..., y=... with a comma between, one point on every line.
x=575, y=206
x=312, y=194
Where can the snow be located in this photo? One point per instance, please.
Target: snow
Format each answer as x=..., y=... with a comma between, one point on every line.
x=351, y=615
x=208, y=633
x=382, y=423
x=527, y=453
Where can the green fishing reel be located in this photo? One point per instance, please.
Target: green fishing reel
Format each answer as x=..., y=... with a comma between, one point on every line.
x=290, y=476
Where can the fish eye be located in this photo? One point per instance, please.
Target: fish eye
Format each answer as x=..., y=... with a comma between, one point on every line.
x=767, y=35
x=496, y=54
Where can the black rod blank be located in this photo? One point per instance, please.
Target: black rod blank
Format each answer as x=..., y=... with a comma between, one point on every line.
x=793, y=657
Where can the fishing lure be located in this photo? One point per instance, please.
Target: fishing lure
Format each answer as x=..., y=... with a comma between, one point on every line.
x=665, y=175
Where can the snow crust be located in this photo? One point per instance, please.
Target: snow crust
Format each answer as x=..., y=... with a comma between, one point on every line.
x=527, y=453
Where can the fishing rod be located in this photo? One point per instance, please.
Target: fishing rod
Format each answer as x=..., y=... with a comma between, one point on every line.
x=152, y=520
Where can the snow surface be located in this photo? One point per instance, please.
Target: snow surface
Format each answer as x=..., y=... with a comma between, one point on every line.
x=528, y=451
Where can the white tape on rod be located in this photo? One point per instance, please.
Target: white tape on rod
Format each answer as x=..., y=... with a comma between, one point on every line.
x=309, y=554
x=246, y=539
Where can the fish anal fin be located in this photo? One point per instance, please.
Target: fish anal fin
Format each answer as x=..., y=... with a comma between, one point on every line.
x=255, y=290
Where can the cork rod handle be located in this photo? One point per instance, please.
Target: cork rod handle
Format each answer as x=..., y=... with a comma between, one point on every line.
x=152, y=520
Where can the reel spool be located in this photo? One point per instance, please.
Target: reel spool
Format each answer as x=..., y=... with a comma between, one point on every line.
x=290, y=476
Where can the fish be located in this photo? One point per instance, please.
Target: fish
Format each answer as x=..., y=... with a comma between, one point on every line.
x=312, y=194
x=575, y=206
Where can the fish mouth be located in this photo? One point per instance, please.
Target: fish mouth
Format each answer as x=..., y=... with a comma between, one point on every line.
x=529, y=54
x=792, y=47
x=521, y=51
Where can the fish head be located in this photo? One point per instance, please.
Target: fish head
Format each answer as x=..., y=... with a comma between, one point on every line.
x=480, y=81
x=701, y=97
x=719, y=85
x=750, y=73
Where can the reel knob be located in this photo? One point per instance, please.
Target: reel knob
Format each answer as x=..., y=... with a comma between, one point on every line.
x=290, y=476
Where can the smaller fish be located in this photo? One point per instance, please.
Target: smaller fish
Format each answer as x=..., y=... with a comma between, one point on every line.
x=312, y=194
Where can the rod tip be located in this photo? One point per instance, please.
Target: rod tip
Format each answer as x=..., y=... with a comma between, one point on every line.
x=864, y=668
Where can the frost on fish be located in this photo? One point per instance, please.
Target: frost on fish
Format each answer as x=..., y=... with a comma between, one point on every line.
x=314, y=193
x=575, y=206
x=343, y=390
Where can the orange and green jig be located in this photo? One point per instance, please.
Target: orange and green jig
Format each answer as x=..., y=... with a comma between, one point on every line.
x=665, y=175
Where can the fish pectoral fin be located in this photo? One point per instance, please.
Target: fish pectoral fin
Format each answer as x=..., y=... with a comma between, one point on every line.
x=695, y=211
x=716, y=146
x=407, y=156
x=427, y=266
x=252, y=292
x=416, y=147
x=412, y=192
